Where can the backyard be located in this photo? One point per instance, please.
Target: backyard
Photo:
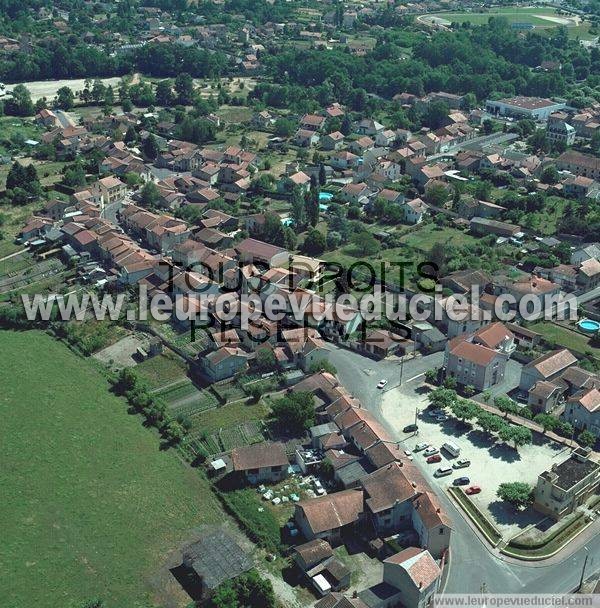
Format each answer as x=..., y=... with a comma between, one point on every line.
x=102, y=517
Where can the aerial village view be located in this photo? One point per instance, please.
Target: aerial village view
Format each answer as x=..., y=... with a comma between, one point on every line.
x=299, y=303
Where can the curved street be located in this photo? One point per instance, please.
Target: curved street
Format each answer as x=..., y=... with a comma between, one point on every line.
x=473, y=566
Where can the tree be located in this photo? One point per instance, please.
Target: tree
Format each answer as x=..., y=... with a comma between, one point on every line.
x=65, y=98
x=150, y=147
x=442, y=397
x=265, y=359
x=284, y=127
x=322, y=365
x=164, y=93
x=506, y=405
x=431, y=376
x=463, y=409
x=587, y=439
x=184, y=87
x=298, y=209
x=150, y=194
x=366, y=243
x=295, y=411
x=74, y=175
x=437, y=194
x=314, y=243
x=517, y=493
x=546, y=421
x=322, y=175
x=19, y=103
x=550, y=175
x=130, y=135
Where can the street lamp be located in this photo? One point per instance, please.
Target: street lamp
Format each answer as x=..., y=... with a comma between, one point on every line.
x=587, y=554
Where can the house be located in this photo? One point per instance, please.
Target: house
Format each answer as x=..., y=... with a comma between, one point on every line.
x=583, y=411
x=264, y=462
x=530, y=286
x=382, y=343
x=361, y=145
x=545, y=397
x=579, y=164
x=317, y=562
x=547, y=367
x=332, y=141
x=588, y=252
x=479, y=360
x=414, y=211
x=258, y=252
x=589, y=274
x=312, y=122
x=457, y=319
x=410, y=579
x=385, y=138
x=305, y=346
x=558, y=130
x=263, y=120
x=47, y=118
x=356, y=193
x=567, y=486
x=580, y=187
x=306, y=138
x=388, y=499
x=482, y=226
x=368, y=126
x=344, y=160
x=329, y=517
x=222, y=363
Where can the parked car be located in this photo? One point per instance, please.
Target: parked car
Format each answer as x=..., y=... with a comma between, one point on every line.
x=443, y=471
x=382, y=383
x=408, y=454
x=473, y=490
x=411, y=428
x=461, y=481
x=421, y=446
x=434, y=458
x=462, y=463
x=430, y=451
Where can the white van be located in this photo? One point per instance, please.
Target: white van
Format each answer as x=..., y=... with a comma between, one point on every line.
x=451, y=448
x=443, y=471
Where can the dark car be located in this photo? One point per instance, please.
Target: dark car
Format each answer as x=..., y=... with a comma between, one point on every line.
x=461, y=481
x=411, y=428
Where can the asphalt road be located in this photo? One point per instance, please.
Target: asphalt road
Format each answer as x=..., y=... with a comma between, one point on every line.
x=472, y=564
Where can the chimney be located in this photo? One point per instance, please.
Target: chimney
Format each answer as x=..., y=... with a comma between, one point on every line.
x=438, y=510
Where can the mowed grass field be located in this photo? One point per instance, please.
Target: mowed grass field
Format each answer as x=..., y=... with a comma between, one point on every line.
x=90, y=506
x=540, y=17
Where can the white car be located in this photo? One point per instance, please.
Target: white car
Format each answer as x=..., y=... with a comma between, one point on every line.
x=430, y=451
x=382, y=383
x=421, y=446
x=408, y=454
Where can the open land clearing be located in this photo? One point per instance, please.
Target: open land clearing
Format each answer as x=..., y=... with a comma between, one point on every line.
x=100, y=517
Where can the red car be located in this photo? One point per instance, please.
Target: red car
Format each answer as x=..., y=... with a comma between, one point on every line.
x=473, y=490
x=434, y=458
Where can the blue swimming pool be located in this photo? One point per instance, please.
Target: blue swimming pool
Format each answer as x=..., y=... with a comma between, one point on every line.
x=325, y=196
x=288, y=221
x=589, y=326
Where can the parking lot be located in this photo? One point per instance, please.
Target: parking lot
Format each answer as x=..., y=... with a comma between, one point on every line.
x=492, y=462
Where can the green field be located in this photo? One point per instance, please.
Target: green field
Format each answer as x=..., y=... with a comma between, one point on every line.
x=540, y=17
x=90, y=506
x=566, y=338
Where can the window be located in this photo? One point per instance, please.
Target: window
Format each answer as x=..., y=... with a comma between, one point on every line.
x=253, y=472
x=441, y=530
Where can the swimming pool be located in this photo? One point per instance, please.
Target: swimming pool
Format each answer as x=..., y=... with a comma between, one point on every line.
x=325, y=196
x=287, y=221
x=589, y=326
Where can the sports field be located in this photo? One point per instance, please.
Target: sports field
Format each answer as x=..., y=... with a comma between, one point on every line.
x=540, y=17
x=90, y=505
